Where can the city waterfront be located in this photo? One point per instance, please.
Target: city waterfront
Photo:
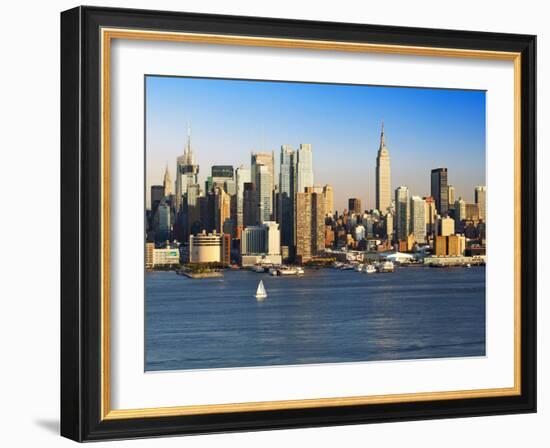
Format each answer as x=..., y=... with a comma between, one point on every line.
x=325, y=316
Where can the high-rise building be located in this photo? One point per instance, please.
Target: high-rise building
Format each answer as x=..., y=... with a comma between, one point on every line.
x=440, y=190
x=222, y=176
x=167, y=182
x=162, y=224
x=418, y=219
x=287, y=195
x=451, y=197
x=354, y=206
x=430, y=215
x=267, y=160
x=472, y=212
x=242, y=176
x=250, y=209
x=264, y=197
x=329, y=199
x=157, y=195
x=261, y=243
x=402, y=213
x=480, y=194
x=222, y=209
x=460, y=210
x=310, y=224
x=383, y=176
x=304, y=168
x=187, y=171
x=446, y=226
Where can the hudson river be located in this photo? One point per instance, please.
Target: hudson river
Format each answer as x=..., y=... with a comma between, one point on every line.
x=325, y=316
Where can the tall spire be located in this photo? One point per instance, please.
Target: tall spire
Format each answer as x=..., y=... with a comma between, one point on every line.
x=188, y=153
x=382, y=139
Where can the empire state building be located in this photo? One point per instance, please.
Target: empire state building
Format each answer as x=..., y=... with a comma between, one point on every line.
x=383, y=176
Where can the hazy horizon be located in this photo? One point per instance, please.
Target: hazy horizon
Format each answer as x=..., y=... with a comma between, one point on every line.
x=424, y=129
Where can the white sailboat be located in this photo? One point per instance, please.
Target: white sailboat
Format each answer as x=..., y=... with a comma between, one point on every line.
x=260, y=292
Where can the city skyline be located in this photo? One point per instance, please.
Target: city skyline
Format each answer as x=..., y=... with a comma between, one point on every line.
x=460, y=131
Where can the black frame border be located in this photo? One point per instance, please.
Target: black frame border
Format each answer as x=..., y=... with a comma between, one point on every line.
x=81, y=223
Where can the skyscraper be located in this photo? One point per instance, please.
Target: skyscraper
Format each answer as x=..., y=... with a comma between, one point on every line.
x=287, y=195
x=460, y=210
x=402, y=213
x=418, y=219
x=383, y=176
x=249, y=205
x=440, y=190
x=451, y=197
x=264, y=197
x=354, y=206
x=242, y=177
x=223, y=176
x=304, y=168
x=186, y=171
x=222, y=210
x=310, y=224
x=430, y=215
x=329, y=199
x=167, y=182
x=480, y=194
x=266, y=159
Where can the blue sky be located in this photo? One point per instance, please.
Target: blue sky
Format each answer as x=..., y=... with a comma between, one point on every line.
x=424, y=128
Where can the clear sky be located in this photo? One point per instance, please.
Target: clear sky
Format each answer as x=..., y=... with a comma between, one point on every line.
x=424, y=129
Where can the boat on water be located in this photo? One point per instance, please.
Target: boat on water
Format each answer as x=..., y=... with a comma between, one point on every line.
x=359, y=267
x=261, y=292
x=386, y=266
x=370, y=269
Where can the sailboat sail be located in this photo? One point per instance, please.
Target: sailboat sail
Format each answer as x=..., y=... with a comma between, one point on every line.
x=260, y=292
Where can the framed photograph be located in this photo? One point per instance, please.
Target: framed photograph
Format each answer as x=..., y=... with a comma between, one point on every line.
x=274, y=223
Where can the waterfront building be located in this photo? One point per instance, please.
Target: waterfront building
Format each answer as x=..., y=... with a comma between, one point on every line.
x=249, y=204
x=261, y=244
x=440, y=190
x=149, y=247
x=418, y=219
x=329, y=199
x=480, y=194
x=402, y=213
x=440, y=246
x=446, y=226
x=287, y=195
x=205, y=247
x=264, y=198
x=304, y=168
x=354, y=206
x=242, y=176
x=310, y=224
x=187, y=171
x=383, y=176
x=456, y=245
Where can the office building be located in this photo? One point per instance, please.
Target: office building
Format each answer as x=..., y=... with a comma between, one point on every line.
x=287, y=195
x=266, y=159
x=430, y=215
x=354, y=206
x=402, y=213
x=249, y=204
x=304, y=168
x=261, y=244
x=167, y=183
x=451, y=197
x=440, y=190
x=222, y=209
x=418, y=219
x=187, y=171
x=242, y=176
x=480, y=195
x=329, y=199
x=264, y=198
x=446, y=226
x=310, y=224
x=223, y=176
x=205, y=247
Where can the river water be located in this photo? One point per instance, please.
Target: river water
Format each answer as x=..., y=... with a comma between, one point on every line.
x=326, y=316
